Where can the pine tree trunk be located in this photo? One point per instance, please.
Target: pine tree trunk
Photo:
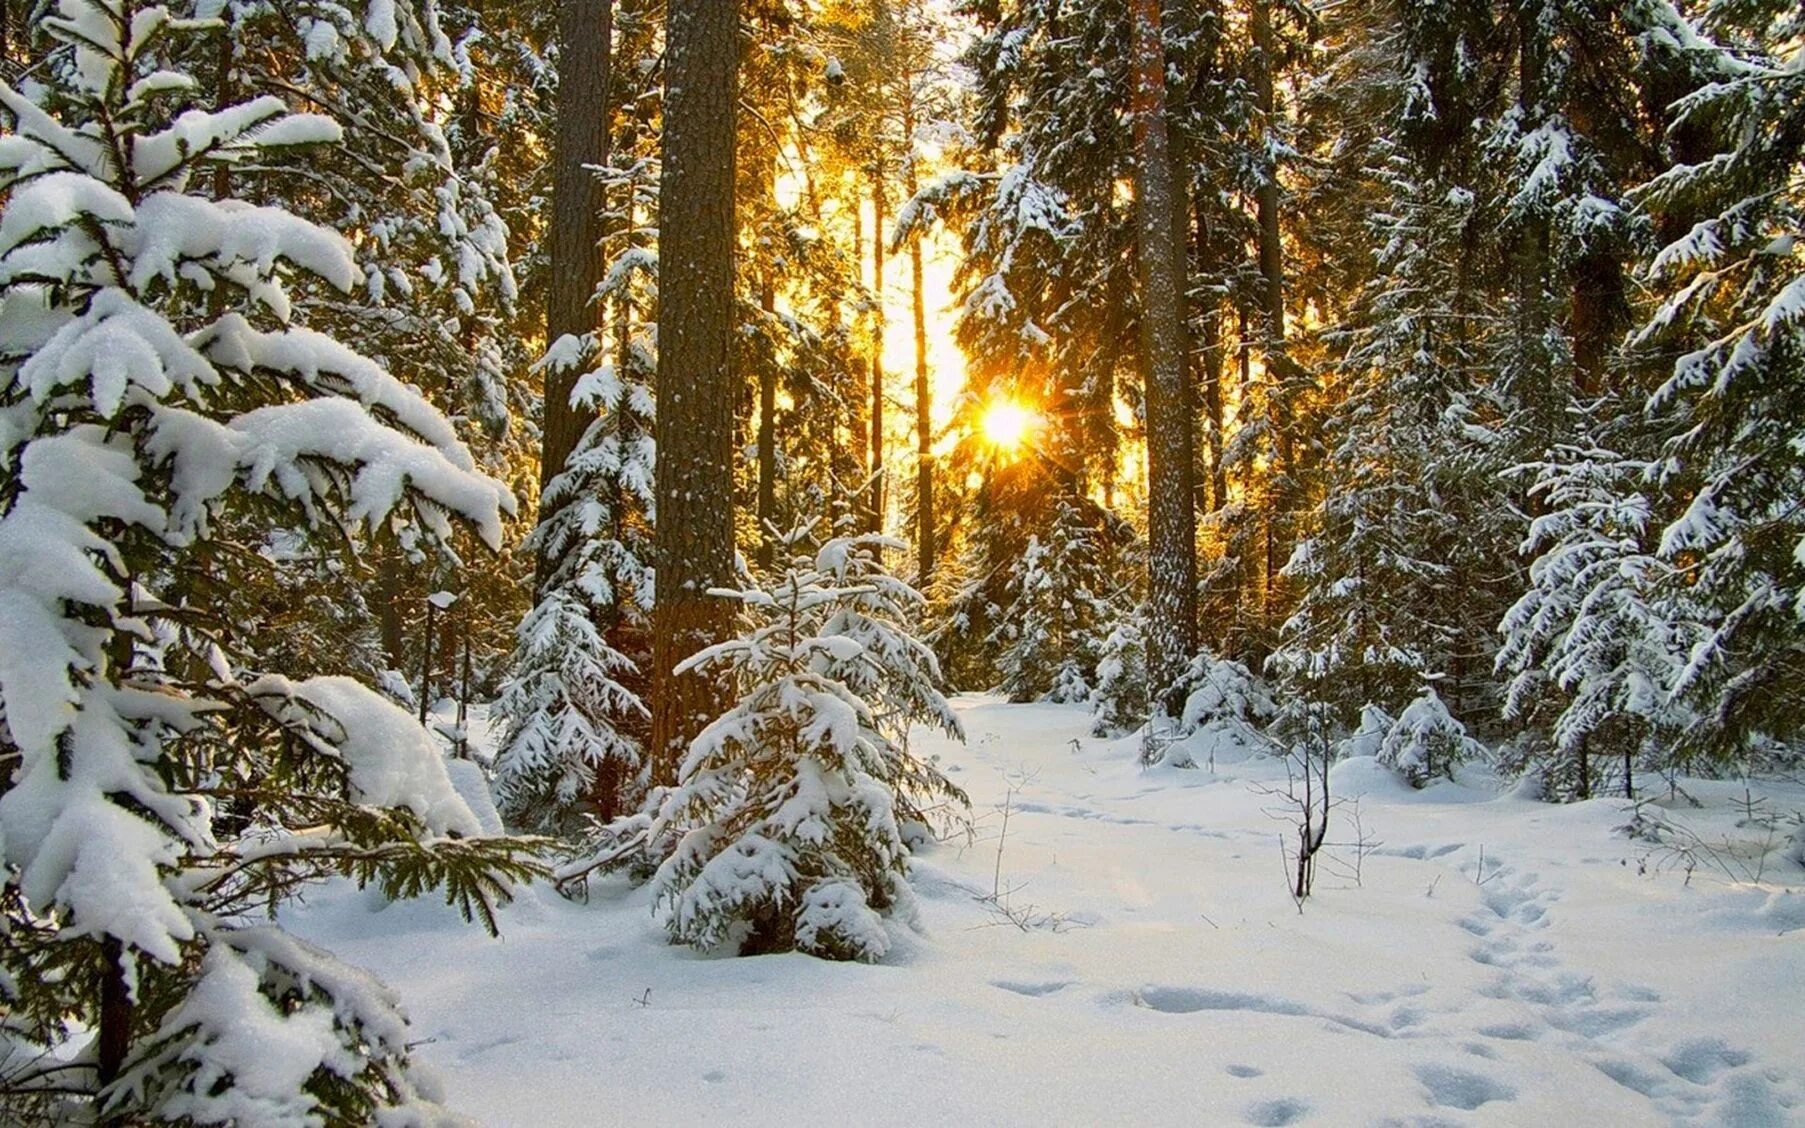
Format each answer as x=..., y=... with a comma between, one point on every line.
x=114, y=1036
x=1211, y=357
x=767, y=402
x=925, y=549
x=1535, y=377
x=695, y=383
x=858, y=404
x=581, y=139
x=1272, y=255
x=391, y=593
x=767, y=443
x=877, y=351
x=1172, y=520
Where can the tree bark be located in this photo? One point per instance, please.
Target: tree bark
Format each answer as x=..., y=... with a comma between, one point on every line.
x=1211, y=356
x=767, y=436
x=391, y=595
x=1272, y=255
x=877, y=350
x=695, y=368
x=859, y=399
x=1172, y=518
x=581, y=139
x=1535, y=377
x=925, y=548
x=114, y=1039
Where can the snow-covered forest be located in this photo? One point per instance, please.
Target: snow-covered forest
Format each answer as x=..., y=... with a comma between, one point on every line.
x=902, y=562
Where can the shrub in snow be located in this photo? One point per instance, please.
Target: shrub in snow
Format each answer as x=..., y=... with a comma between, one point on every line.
x=570, y=722
x=1226, y=710
x=1426, y=741
x=1221, y=691
x=789, y=804
x=1368, y=736
x=1119, y=702
x=165, y=794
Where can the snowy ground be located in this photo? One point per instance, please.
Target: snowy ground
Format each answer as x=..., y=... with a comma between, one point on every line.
x=1580, y=978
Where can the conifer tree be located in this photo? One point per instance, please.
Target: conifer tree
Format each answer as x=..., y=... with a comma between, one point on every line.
x=157, y=389
x=1057, y=613
x=790, y=804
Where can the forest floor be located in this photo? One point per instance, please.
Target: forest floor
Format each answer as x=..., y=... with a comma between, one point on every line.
x=1128, y=953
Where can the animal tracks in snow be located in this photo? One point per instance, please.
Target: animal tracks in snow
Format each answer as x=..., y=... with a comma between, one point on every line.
x=1697, y=1081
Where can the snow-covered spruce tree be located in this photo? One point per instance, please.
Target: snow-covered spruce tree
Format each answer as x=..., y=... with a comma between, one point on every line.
x=1120, y=703
x=1667, y=595
x=789, y=804
x=572, y=721
x=1732, y=411
x=894, y=672
x=1054, y=623
x=162, y=793
x=1426, y=741
x=1413, y=506
x=1595, y=644
x=437, y=282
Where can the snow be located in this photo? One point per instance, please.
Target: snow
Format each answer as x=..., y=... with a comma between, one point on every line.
x=1497, y=961
x=392, y=761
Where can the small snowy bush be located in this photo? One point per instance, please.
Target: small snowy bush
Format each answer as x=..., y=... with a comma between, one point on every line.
x=1219, y=691
x=165, y=794
x=789, y=804
x=1226, y=710
x=1426, y=741
x=566, y=715
x=1369, y=736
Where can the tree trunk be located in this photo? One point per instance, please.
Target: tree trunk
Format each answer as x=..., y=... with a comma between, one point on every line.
x=391, y=596
x=877, y=351
x=584, y=29
x=767, y=436
x=695, y=381
x=1172, y=519
x=1211, y=357
x=925, y=548
x=114, y=1039
x=767, y=381
x=859, y=400
x=1279, y=376
x=1535, y=377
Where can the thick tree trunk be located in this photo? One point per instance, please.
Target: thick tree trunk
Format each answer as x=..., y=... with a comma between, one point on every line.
x=1172, y=519
x=695, y=368
x=581, y=139
x=925, y=549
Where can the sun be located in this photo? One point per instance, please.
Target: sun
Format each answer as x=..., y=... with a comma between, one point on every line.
x=1007, y=425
